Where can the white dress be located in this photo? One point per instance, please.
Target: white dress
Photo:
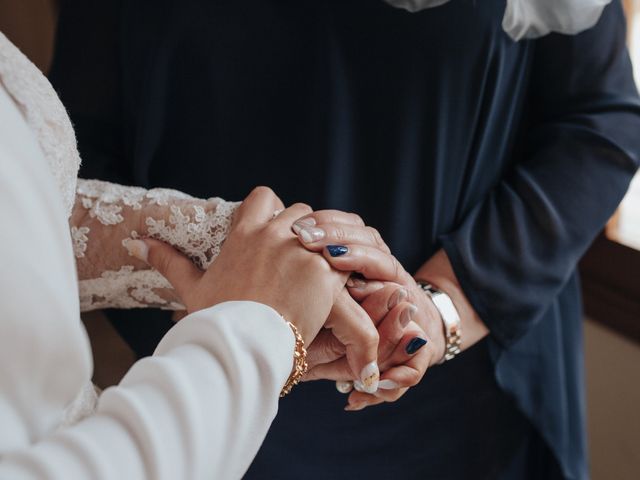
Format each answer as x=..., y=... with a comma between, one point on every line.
x=199, y=408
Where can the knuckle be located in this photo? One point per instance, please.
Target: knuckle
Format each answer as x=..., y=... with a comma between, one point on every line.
x=302, y=206
x=263, y=190
x=370, y=337
x=339, y=233
x=357, y=219
x=413, y=377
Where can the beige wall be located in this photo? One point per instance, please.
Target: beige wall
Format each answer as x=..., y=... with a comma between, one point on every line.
x=613, y=403
x=30, y=24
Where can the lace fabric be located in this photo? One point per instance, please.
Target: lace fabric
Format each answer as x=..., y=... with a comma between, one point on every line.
x=103, y=215
x=107, y=211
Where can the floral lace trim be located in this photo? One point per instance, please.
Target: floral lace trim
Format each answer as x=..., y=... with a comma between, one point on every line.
x=45, y=115
x=79, y=238
x=196, y=227
x=126, y=288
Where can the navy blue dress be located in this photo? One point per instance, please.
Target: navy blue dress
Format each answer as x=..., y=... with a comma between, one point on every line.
x=439, y=131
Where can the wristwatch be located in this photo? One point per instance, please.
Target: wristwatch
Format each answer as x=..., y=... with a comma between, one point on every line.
x=450, y=319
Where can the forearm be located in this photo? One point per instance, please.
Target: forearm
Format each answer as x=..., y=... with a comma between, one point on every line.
x=439, y=272
x=199, y=408
x=106, y=216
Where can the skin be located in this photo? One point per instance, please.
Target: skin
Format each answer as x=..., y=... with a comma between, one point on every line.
x=262, y=261
x=365, y=244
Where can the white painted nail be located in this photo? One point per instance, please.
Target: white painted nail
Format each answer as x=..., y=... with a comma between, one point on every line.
x=370, y=377
x=387, y=385
x=406, y=317
x=137, y=248
x=398, y=296
x=344, y=387
x=311, y=234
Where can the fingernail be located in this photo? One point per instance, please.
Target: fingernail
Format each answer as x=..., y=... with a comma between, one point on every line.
x=356, y=282
x=387, y=385
x=344, y=387
x=137, y=248
x=355, y=407
x=414, y=345
x=311, y=234
x=370, y=377
x=300, y=224
x=406, y=317
x=398, y=296
x=337, y=250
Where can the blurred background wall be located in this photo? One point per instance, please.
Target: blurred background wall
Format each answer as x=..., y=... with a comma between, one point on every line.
x=612, y=358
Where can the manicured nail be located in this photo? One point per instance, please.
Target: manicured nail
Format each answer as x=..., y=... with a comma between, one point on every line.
x=406, y=317
x=414, y=345
x=344, y=387
x=398, y=296
x=337, y=250
x=355, y=282
x=311, y=234
x=137, y=248
x=300, y=224
x=355, y=407
x=369, y=378
x=387, y=385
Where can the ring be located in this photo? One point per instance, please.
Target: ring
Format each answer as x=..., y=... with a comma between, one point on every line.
x=276, y=213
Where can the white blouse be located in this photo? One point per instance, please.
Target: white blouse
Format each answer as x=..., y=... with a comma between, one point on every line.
x=532, y=18
x=199, y=408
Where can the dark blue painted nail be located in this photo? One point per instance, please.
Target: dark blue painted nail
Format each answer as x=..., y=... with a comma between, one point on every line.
x=415, y=344
x=337, y=250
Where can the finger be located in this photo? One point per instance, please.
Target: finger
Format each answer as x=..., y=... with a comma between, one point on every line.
x=181, y=273
x=370, y=262
x=360, y=288
x=289, y=215
x=258, y=207
x=392, y=329
x=315, y=238
x=379, y=303
x=414, y=342
x=339, y=371
x=331, y=216
x=353, y=328
x=329, y=364
x=325, y=348
x=359, y=401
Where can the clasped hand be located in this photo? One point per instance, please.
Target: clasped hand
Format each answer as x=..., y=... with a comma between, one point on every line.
x=302, y=264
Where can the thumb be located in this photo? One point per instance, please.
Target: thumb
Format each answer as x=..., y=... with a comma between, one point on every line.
x=354, y=329
x=181, y=273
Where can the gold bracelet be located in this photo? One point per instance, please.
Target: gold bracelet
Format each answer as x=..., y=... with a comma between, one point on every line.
x=300, y=365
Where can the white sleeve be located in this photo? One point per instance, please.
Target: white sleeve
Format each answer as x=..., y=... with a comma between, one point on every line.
x=198, y=409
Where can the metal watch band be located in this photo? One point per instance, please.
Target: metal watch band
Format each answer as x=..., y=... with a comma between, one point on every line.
x=450, y=319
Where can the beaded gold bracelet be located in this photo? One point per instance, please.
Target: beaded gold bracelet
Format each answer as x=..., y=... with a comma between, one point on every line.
x=300, y=365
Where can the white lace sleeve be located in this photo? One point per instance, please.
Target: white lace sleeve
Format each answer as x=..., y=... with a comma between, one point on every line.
x=106, y=216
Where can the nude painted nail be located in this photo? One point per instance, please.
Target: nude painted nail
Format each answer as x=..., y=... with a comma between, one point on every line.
x=370, y=377
x=406, y=317
x=387, y=385
x=355, y=407
x=344, y=386
x=398, y=296
x=311, y=234
x=137, y=248
x=356, y=282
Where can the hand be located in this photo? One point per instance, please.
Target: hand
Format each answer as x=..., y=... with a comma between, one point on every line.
x=350, y=246
x=260, y=261
x=404, y=326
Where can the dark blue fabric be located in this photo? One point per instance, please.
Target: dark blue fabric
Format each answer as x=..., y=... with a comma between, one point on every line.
x=439, y=131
